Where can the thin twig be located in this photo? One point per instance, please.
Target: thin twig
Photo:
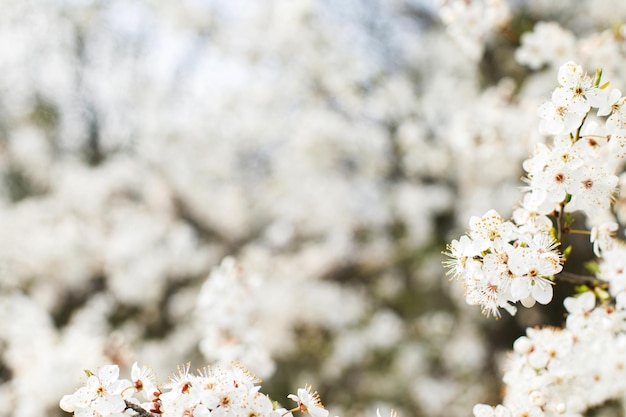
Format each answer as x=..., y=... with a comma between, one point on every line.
x=141, y=412
x=559, y=223
x=577, y=279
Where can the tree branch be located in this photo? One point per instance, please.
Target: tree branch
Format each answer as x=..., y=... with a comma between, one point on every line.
x=141, y=412
x=578, y=279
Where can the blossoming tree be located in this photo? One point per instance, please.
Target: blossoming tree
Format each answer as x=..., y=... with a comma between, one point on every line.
x=271, y=184
x=503, y=262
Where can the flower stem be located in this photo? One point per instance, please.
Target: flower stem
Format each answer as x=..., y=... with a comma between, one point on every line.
x=577, y=279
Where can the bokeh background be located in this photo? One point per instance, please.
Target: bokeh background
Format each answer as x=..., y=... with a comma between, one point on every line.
x=271, y=182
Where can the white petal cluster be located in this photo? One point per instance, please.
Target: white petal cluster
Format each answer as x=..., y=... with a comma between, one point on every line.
x=612, y=268
x=499, y=264
x=211, y=392
x=577, y=171
x=220, y=134
x=550, y=373
x=228, y=315
x=240, y=315
x=570, y=102
x=571, y=174
x=309, y=402
x=602, y=237
x=103, y=394
x=471, y=23
x=548, y=43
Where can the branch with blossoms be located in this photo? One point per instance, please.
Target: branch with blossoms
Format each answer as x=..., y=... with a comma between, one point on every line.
x=502, y=262
x=211, y=392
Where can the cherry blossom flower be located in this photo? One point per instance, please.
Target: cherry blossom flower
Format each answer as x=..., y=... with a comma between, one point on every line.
x=570, y=101
x=617, y=120
x=592, y=189
x=490, y=295
x=490, y=230
x=218, y=391
x=531, y=270
x=612, y=268
x=603, y=237
x=607, y=101
x=309, y=403
x=144, y=380
x=102, y=394
x=557, y=117
x=617, y=143
x=461, y=252
x=535, y=52
x=581, y=304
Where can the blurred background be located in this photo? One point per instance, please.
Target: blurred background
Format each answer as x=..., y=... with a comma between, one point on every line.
x=268, y=182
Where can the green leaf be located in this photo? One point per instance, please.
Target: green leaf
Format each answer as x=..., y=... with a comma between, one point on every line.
x=596, y=80
x=592, y=266
x=567, y=252
x=581, y=289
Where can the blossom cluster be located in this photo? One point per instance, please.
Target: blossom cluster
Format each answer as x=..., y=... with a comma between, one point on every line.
x=508, y=261
x=212, y=392
x=499, y=263
x=580, y=166
x=472, y=23
x=144, y=143
x=577, y=172
x=549, y=373
x=328, y=146
x=612, y=268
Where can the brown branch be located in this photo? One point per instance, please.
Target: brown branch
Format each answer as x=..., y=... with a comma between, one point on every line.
x=559, y=223
x=578, y=279
x=141, y=412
